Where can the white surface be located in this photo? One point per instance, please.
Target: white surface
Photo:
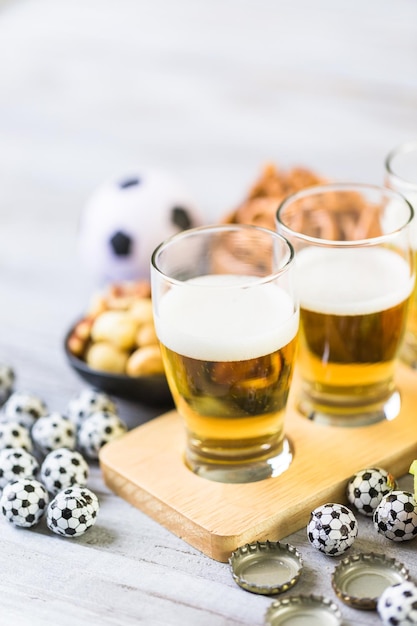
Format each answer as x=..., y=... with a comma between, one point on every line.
x=209, y=91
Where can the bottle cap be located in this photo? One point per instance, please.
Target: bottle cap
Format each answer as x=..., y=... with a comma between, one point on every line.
x=360, y=579
x=266, y=567
x=303, y=610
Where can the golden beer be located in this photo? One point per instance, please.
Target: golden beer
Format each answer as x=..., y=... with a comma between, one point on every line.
x=409, y=347
x=353, y=312
x=234, y=410
x=229, y=372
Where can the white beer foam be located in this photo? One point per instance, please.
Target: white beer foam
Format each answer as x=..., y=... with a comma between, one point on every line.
x=209, y=318
x=351, y=281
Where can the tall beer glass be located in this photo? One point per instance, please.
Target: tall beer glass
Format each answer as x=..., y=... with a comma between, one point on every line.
x=401, y=175
x=354, y=271
x=227, y=319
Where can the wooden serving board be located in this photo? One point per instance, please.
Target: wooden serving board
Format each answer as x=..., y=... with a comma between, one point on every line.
x=146, y=468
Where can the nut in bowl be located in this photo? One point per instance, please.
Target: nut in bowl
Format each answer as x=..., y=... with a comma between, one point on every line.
x=113, y=346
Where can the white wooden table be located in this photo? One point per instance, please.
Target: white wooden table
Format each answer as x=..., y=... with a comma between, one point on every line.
x=209, y=91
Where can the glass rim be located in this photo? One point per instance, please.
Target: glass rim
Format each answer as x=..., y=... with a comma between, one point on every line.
x=341, y=186
x=403, y=148
x=190, y=232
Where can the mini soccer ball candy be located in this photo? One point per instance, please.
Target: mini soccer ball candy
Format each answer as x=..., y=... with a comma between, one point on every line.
x=99, y=429
x=16, y=463
x=397, y=605
x=14, y=435
x=54, y=431
x=24, y=408
x=366, y=489
x=396, y=516
x=332, y=529
x=23, y=502
x=87, y=495
x=71, y=512
x=63, y=468
x=7, y=379
x=88, y=402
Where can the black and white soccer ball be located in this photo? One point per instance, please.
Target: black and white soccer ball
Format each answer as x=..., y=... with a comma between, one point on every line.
x=87, y=402
x=24, y=501
x=397, y=605
x=14, y=435
x=366, y=489
x=97, y=430
x=72, y=512
x=16, y=463
x=396, y=516
x=24, y=408
x=54, y=431
x=332, y=529
x=127, y=217
x=91, y=499
x=63, y=468
x=7, y=380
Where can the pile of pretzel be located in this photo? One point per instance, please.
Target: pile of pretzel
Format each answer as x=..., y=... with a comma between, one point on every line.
x=334, y=217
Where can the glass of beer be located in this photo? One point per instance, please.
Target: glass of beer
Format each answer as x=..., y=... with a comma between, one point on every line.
x=227, y=317
x=401, y=175
x=355, y=276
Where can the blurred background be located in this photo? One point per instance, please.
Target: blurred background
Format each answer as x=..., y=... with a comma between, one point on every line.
x=208, y=91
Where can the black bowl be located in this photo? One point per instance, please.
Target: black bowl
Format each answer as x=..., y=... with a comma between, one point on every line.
x=149, y=390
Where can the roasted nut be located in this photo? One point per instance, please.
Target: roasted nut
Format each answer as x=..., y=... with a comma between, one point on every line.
x=116, y=327
x=97, y=305
x=141, y=311
x=106, y=357
x=146, y=335
x=75, y=345
x=80, y=336
x=83, y=328
x=136, y=289
x=145, y=361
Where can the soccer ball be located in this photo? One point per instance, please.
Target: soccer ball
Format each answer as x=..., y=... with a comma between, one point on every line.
x=23, y=502
x=24, y=408
x=97, y=430
x=396, y=516
x=72, y=512
x=332, y=529
x=366, y=489
x=63, y=468
x=53, y=431
x=87, y=495
x=14, y=435
x=87, y=402
x=126, y=218
x=397, y=605
x=16, y=463
x=7, y=378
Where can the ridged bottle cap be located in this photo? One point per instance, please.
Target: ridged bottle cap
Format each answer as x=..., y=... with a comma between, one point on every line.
x=303, y=610
x=360, y=579
x=266, y=567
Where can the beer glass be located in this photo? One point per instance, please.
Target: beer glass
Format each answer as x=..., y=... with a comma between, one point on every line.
x=401, y=175
x=354, y=274
x=226, y=316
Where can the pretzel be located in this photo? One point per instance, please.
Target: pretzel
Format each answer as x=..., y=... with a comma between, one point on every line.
x=337, y=216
